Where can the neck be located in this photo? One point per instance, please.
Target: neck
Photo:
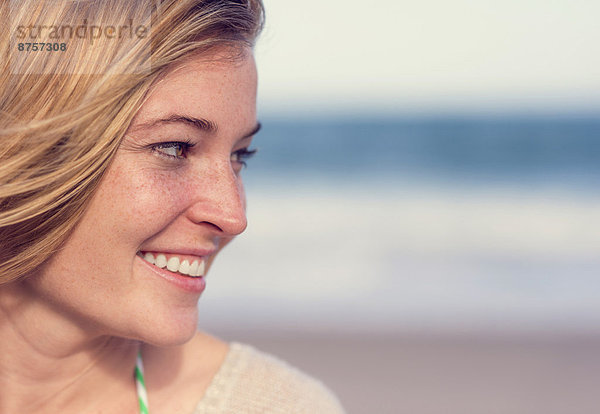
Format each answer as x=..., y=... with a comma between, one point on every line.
x=52, y=362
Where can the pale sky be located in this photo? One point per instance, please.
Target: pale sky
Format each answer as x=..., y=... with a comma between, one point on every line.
x=430, y=55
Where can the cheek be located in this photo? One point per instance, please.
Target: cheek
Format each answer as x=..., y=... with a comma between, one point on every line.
x=137, y=203
x=242, y=191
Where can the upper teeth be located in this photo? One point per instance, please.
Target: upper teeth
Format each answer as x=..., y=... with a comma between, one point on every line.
x=175, y=264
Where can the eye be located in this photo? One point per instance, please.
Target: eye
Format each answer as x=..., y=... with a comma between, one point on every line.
x=174, y=149
x=242, y=155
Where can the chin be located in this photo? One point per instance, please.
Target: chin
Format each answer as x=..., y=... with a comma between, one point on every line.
x=169, y=332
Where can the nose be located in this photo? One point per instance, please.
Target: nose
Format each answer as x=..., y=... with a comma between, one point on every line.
x=218, y=200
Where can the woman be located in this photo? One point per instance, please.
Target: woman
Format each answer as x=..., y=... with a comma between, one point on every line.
x=120, y=181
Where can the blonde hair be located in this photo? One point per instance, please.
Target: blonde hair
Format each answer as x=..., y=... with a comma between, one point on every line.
x=63, y=113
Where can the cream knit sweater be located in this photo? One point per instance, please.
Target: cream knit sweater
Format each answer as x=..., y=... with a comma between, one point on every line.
x=252, y=382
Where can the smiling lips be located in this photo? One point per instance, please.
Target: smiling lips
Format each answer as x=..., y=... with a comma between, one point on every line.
x=176, y=264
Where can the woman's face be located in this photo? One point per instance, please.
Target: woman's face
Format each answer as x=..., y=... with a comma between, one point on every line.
x=174, y=189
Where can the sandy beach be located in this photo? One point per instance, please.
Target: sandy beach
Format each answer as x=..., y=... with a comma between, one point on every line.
x=450, y=373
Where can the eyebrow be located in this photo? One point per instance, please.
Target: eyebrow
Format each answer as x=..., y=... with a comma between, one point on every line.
x=201, y=124
x=253, y=131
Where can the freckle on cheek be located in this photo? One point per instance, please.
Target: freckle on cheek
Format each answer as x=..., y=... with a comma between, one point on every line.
x=154, y=193
x=186, y=187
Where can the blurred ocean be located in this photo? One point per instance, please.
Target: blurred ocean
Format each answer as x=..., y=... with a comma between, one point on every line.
x=426, y=223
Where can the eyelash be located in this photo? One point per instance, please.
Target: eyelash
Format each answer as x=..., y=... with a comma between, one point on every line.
x=185, y=146
x=243, y=154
